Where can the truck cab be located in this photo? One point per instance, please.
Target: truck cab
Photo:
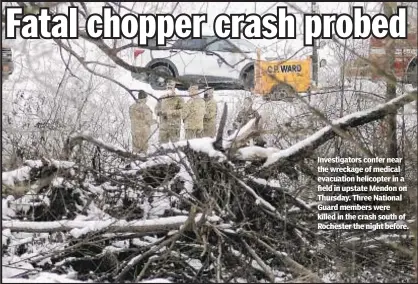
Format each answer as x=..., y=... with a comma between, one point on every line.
x=278, y=80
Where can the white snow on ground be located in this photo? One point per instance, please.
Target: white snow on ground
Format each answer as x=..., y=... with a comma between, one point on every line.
x=13, y=266
x=43, y=277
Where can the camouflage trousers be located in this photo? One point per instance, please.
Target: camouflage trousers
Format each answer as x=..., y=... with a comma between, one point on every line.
x=169, y=134
x=140, y=139
x=193, y=133
x=209, y=129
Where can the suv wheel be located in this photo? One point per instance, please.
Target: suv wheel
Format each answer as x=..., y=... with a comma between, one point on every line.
x=158, y=82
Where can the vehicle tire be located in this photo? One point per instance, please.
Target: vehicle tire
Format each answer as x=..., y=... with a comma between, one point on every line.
x=248, y=79
x=282, y=92
x=158, y=82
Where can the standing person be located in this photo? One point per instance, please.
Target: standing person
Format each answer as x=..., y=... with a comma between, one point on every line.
x=141, y=121
x=209, y=120
x=244, y=116
x=169, y=109
x=193, y=114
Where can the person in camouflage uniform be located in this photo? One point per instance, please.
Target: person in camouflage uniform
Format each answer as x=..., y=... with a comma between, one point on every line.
x=141, y=121
x=244, y=116
x=209, y=120
x=169, y=109
x=193, y=114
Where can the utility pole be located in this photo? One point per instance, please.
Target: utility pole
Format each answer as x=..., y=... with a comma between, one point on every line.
x=314, y=10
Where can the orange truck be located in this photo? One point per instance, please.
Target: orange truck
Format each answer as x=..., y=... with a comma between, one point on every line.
x=405, y=61
x=282, y=80
x=279, y=80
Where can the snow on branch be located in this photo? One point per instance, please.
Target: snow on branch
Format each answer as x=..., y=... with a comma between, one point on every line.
x=203, y=145
x=154, y=161
x=254, y=153
x=34, y=175
x=79, y=137
x=242, y=135
x=79, y=228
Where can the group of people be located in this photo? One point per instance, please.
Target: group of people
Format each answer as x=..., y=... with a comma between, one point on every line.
x=198, y=115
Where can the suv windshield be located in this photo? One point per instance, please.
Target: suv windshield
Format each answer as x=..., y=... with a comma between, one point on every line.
x=244, y=45
x=217, y=44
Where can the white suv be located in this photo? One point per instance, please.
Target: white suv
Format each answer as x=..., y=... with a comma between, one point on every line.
x=219, y=63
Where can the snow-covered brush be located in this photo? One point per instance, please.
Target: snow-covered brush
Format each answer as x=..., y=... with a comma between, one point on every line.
x=34, y=176
x=184, y=212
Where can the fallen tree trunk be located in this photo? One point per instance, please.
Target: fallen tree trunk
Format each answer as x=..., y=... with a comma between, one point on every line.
x=110, y=226
x=276, y=158
x=75, y=139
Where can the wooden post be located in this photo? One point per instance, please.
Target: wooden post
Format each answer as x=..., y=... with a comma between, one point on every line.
x=391, y=137
x=257, y=73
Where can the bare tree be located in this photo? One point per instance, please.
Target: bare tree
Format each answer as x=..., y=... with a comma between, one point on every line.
x=205, y=210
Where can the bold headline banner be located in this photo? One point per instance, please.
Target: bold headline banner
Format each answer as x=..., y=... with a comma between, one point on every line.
x=160, y=27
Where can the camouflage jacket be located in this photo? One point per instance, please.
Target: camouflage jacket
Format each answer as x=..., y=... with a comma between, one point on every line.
x=193, y=113
x=140, y=115
x=169, y=109
x=210, y=111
